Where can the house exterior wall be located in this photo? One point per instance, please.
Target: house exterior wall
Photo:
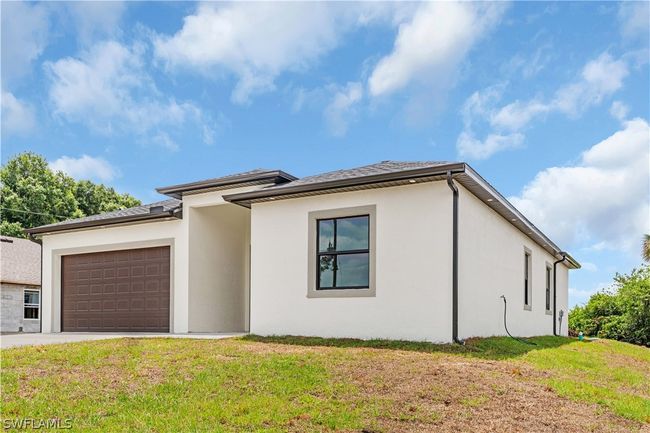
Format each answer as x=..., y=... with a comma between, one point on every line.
x=165, y=233
x=211, y=261
x=218, y=268
x=188, y=314
x=563, y=299
x=413, y=267
x=491, y=264
x=12, y=309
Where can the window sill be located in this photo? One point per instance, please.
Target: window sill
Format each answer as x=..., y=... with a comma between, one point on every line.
x=528, y=307
x=549, y=312
x=342, y=293
x=35, y=320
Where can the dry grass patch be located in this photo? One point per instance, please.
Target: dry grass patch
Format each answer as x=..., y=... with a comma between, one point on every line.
x=421, y=393
x=262, y=385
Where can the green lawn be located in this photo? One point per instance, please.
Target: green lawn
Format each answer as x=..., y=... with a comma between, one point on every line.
x=310, y=384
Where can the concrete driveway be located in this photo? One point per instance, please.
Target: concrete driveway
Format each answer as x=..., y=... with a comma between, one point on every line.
x=25, y=339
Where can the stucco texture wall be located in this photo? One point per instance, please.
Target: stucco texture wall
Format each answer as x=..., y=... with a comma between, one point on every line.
x=218, y=268
x=413, y=263
x=491, y=264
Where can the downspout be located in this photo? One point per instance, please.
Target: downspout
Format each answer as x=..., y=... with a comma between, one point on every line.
x=454, y=266
x=555, y=292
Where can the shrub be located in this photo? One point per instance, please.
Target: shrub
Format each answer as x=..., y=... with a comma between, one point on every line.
x=621, y=312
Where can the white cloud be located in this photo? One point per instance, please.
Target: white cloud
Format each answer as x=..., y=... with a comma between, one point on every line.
x=341, y=110
x=85, y=167
x=633, y=19
x=619, y=110
x=430, y=46
x=108, y=89
x=26, y=29
x=17, y=116
x=163, y=140
x=257, y=41
x=599, y=78
x=94, y=19
x=601, y=201
x=518, y=114
x=24, y=37
x=469, y=146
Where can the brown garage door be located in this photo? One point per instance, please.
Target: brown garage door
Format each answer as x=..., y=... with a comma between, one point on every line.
x=124, y=291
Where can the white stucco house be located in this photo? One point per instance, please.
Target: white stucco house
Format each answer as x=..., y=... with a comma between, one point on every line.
x=396, y=250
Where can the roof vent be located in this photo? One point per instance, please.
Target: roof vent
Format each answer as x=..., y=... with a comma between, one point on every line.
x=156, y=209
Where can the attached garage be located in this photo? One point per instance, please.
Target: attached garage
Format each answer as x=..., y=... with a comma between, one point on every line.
x=116, y=291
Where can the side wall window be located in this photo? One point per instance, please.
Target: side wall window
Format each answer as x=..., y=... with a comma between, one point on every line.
x=527, y=280
x=31, y=304
x=549, y=273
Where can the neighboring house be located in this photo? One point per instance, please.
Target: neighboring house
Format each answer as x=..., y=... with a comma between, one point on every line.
x=20, y=285
x=399, y=250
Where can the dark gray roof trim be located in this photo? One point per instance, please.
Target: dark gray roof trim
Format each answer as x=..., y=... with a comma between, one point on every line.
x=166, y=209
x=482, y=189
x=253, y=177
x=335, y=181
x=402, y=174
x=381, y=175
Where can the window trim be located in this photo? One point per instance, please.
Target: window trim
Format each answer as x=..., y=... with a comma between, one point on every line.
x=313, y=253
x=528, y=279
x=549, y=288
x=36, y=306
x=336, y=253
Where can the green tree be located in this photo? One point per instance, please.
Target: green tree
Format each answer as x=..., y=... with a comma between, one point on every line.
x=97, y=198
x=634, y=299
x=11, y=229
x=621, y=312
x=33, y=195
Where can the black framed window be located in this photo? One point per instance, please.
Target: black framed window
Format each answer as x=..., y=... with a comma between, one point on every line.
x=343, y=253
x=526, y=279
x=548, y=288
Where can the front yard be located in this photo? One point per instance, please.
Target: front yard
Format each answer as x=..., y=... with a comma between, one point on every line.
x=307, y=384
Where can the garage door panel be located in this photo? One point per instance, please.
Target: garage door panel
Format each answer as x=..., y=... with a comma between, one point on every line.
x=122, y=291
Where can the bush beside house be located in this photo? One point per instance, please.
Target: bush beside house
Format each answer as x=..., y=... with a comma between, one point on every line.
x=621, y=312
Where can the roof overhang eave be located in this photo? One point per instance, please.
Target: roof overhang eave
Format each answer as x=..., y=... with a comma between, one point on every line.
x=462, y=172
x=246, y=198
x=44, y=230
x=507, y=210
x=275, y=177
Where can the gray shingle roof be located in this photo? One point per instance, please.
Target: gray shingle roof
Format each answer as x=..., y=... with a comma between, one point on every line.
x=383, y=167
x=136, y=211
x=20, y=261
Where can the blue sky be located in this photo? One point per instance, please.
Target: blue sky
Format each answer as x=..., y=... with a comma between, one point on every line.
x=548, y=101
